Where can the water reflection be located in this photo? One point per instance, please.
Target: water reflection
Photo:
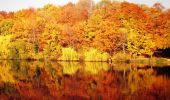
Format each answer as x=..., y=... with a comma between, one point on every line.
x=82, y=81
x=140, y=79
x=70, y=68
x=5, y=73
x=95, y=68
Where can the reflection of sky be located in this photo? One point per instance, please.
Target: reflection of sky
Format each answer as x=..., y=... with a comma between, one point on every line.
x=13, y=5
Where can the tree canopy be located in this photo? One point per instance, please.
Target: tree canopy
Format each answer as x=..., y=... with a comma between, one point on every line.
x=108, y=27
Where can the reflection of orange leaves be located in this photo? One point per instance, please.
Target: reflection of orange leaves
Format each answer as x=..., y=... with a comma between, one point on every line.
x=158, y=90
x=27, y=91
x=74, y=87
x=161, y=87
x=108, y=78
x=4, y=97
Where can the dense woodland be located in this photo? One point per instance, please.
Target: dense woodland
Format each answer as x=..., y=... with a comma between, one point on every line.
x=84, y=31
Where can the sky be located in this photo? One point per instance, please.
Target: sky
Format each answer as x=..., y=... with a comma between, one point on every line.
x=14, y=5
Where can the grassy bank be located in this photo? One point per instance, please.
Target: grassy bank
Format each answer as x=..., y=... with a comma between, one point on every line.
x=152, y=61
x=141, y=60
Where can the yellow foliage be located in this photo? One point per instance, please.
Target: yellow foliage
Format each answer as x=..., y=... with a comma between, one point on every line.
x=4, y=43
x=69, y=54
x=95, y=55
x=120, y=56
x=70, y=68
x=52, y=51
x=5, y=74
x=140, y=44
x=138, y=79
x=95, y=68
x=20, y=50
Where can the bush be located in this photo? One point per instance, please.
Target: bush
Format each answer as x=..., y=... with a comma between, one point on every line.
x=95, y=55
x=69, y=54
x=4, y=42
x=120, y=56
x=52, y=51
x=20, y=50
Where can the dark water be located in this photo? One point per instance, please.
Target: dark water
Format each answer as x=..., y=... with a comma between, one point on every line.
x=23, y=80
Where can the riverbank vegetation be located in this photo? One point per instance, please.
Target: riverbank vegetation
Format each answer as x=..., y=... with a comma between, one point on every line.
x=85, y=31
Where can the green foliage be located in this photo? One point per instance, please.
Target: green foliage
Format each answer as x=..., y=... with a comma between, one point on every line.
x=95, y=55
x=69, y=54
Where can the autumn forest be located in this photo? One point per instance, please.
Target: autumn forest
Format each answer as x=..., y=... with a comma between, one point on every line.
x=88, y=50
x=84, y=31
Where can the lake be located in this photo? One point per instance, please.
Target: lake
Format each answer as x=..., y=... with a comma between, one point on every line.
x=38, y=80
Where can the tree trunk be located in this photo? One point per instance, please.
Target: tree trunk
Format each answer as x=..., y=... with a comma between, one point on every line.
x=124, y=52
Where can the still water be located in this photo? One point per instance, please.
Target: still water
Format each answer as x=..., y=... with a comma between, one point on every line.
x=35, y=80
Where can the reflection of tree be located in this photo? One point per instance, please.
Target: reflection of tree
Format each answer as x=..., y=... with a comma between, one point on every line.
x=7, y=89
x=53, y=71
x=5, y=73
x=70, y=68
x=22, y=70
x=140, y=79
x=105, y=86
x=160, y=88
x=95, y=67
x=36, y=80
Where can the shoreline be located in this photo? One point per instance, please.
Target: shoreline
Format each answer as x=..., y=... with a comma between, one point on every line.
x=136, y=60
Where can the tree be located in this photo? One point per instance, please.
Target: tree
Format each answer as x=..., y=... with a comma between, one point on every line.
x=52, y=51
x=161, y=30
x=20, y=50
x=103, y=3
x=49, y=13
x=6, y=26
x=158, y=6
x=140, y=45
x=68, y=14
x=4, y=43
x=72, y=36
x=85, y=6
x=109, y=26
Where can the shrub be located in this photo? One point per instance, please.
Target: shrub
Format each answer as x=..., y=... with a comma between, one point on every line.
x=95, y=55
x=52, y=51
x=20, y=50
x=120, y=56
x=4, y=42
x=69, y=54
